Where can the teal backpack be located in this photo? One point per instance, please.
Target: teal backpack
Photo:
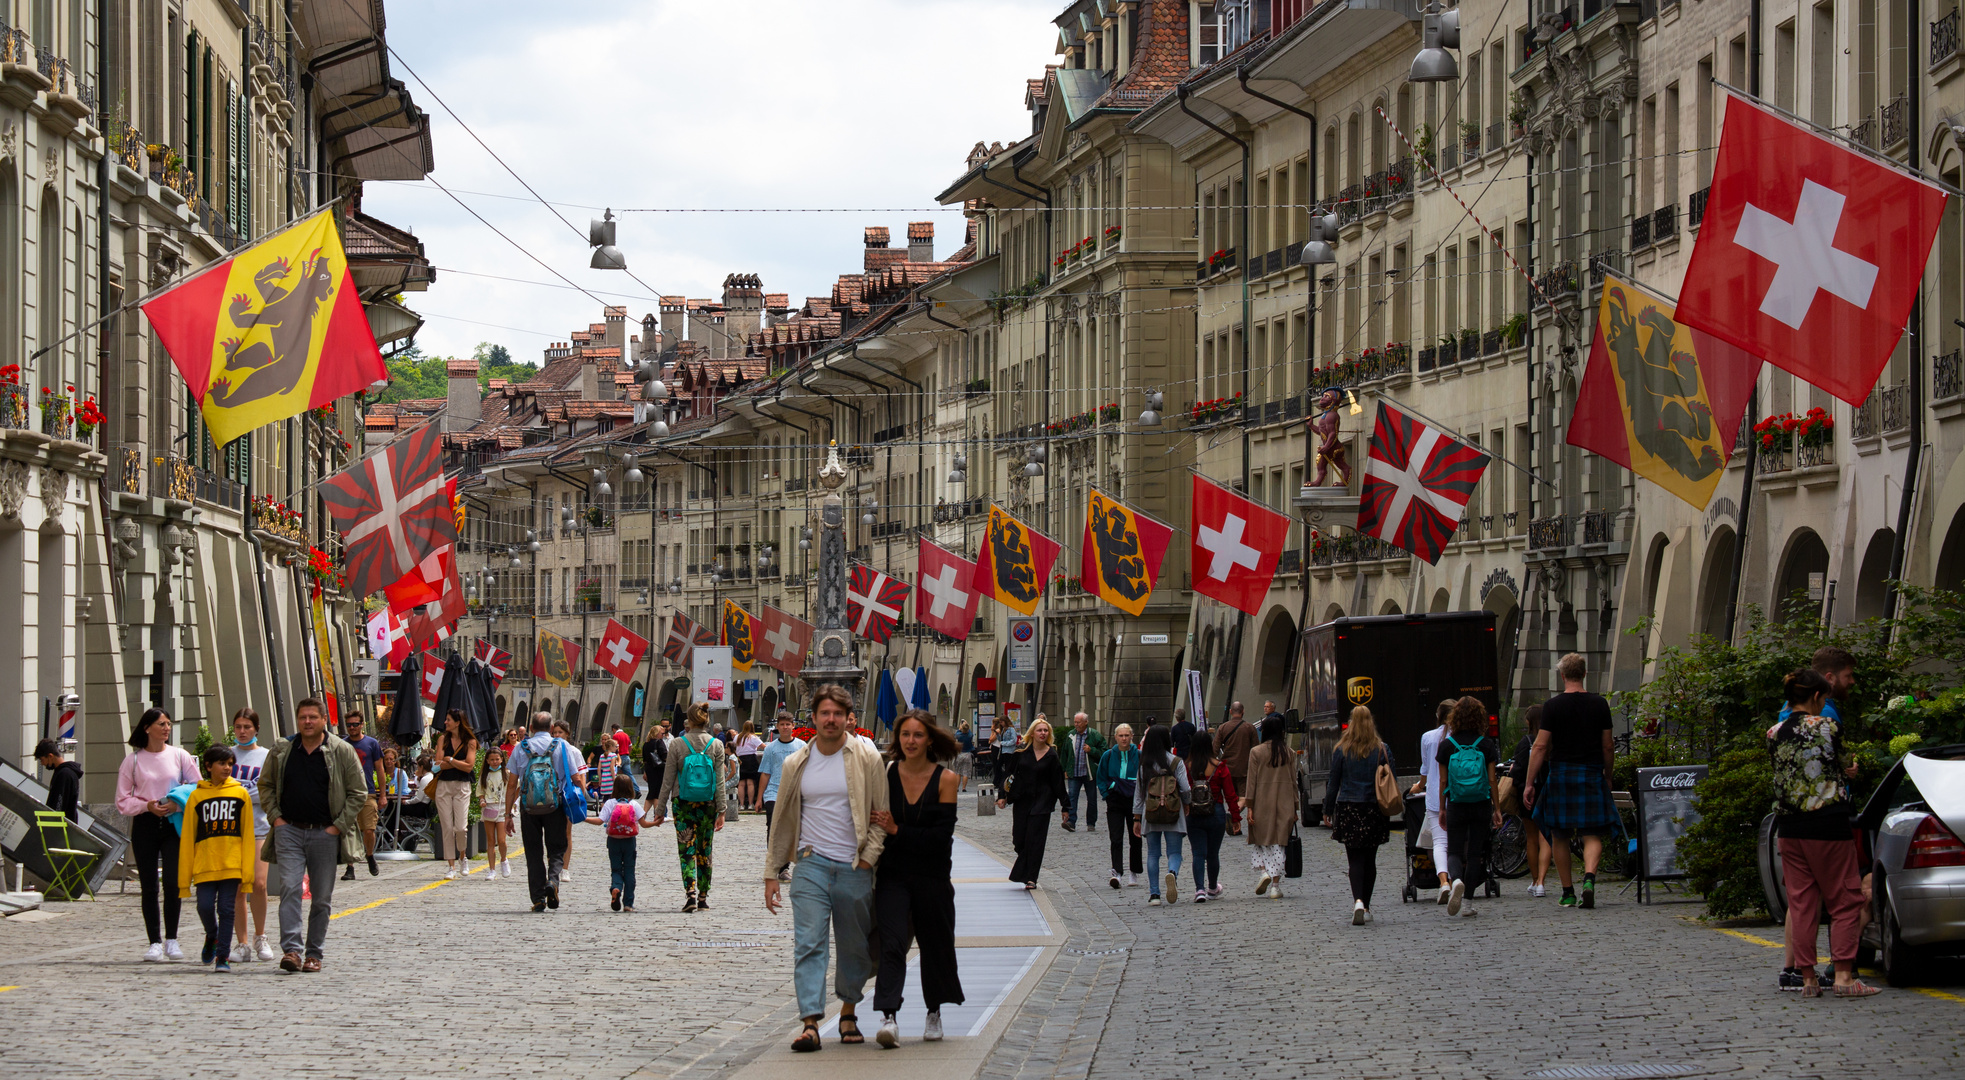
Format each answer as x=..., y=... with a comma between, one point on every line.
x=1466, y=773
x=697, y=781
x=539, y=784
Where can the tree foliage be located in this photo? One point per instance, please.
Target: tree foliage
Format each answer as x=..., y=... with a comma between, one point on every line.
x=1711, y=702
x=413, y=376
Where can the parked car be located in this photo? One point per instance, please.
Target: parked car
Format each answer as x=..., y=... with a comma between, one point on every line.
x=1911, y=829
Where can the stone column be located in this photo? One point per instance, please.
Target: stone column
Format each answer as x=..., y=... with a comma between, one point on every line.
x=832, y=644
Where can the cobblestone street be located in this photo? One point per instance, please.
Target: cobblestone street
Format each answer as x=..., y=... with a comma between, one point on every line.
x=426, y=977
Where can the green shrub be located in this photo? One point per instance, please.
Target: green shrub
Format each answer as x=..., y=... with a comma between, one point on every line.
x=1719, y=852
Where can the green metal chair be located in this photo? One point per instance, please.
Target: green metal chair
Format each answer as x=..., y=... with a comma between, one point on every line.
x=71, y=864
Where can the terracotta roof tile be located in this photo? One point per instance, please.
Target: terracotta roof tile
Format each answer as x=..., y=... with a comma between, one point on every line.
x=881, y=258
x=876, y=236
x=458, y=369
x=920, y=230
x=614, y=312
x=1160, y=62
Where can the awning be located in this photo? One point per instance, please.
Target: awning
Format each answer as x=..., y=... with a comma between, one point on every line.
x=390, y=321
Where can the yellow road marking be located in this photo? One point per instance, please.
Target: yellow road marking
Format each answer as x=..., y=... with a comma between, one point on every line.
x=1755, y=938
x=412, y=892
x=4, y=989
x=363, y=907
x=426, y=888
x=1939, y=994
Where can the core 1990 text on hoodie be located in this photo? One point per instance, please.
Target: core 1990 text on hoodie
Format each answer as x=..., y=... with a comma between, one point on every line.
x=217, y=840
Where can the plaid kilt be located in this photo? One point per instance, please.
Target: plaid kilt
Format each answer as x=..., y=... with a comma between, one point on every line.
x=1575, y=798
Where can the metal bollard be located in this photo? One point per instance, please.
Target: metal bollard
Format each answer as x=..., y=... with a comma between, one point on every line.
x=985, y=802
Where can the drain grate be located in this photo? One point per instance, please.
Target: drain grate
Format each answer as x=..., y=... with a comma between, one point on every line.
x=1620, y=1072
x=1094, y=952
x=723, y=945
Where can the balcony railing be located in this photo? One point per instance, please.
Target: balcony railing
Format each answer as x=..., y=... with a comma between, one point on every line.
x=1896, y=121
x=178, y=479
x=1664, y=222
x=1350, y=548
x=1640, y=231
x=1608, y=261
x=1868, y=420
x=1896, y=408
x=1598, y=527
x=1946, y=378
x=129, y=477
x=1695, y=208
x=1551, y=532
x=1497, y=135
x=1864, y=132
x=1559, y=281
x=1785, y=455
x=1944, y=38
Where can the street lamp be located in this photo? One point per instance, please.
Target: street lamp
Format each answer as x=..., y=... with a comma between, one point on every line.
x=634, y=473
x=1037, y=456
x=600, y=236
x=1438, y=33
x=1155, y=401
x=873, y=505
x=960, y=473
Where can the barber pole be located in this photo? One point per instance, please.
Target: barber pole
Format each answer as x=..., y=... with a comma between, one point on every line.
x=71, y=707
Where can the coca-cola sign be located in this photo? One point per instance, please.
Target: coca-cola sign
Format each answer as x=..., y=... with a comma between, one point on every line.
x=1667, y=806
x=1669, y=778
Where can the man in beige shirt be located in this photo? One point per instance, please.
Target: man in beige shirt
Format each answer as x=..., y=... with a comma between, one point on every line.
x=827, y=796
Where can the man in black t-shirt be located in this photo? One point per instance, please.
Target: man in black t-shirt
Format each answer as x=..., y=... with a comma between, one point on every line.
x=1573, y=796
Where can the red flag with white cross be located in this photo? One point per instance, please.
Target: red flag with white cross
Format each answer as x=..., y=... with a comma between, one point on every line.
x=620, y=651
x=434, y=622
x=495, y=659
x=1234, y=546
x=874, y=603
x=432, y=676
x=945, y=593
x=392, y=509
x=1417, y=483
x=785, y=641
x=1810, y=254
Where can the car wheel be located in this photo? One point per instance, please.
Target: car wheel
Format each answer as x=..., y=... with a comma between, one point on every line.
x=1899, y=960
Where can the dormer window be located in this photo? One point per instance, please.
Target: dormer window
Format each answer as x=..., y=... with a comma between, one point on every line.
x=1223, y=26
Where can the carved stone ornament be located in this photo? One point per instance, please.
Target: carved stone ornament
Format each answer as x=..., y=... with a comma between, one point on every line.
x=9, y=137
x=13, y=488
x=51, y=163
x=54, y=491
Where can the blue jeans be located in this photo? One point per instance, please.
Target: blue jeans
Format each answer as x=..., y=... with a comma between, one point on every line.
x=831, y=894
x=1205, y=834
x=1174, y=842
x=1089, y=787
x=316, y=854
x=621, y=867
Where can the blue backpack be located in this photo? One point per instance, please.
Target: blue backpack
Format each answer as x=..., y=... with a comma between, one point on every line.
x=539, y=784
x=697, y=781
x=1466, y=773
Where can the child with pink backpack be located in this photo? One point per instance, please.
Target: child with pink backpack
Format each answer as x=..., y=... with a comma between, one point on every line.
x=622, y=816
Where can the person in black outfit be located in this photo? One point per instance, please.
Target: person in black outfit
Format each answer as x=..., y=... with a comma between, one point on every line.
x=64, y=780
x=913, y=895
x=655, y=757
x=1469, y=820
x=1036, y=777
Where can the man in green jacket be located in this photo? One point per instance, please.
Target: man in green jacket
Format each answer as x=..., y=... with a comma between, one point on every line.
x=1118, y=771
x=1083, y=746
x=313, y=792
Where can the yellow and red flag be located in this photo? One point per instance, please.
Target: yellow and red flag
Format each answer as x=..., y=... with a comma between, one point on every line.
x=1119, y=559
x=1015, y=562
x=740, y=633
x=271, y=332
x=1658, y=397
x=556, y=660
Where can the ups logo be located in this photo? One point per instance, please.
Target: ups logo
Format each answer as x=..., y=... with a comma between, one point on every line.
x=1358, y=689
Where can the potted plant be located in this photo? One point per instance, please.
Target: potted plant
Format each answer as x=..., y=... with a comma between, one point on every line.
x=1449, y=349
x=1515, y=330
x=57, y=412
x=1517, y=113
x=13, y=398
x=88, y=417
x=1423, y=146
x=1112, y=233
x=1470, y=136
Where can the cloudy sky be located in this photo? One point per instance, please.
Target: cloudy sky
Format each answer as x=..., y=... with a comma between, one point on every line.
x=864, y=109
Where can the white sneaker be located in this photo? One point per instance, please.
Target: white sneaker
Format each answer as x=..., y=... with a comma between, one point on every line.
x=155, y=952
x=1357, y=913
x=933, y=1031
x=171, y=951
x=1367, y=914
x=1262, y=885
x=565, y=877
x=505, y=868
x=1537, y=890
x=1115, y=879
x=1456, y=896
x=1173, y=887
x=1132, y=880
x=266, y=951
x=242, y=953
x=1445, y=891
x=450, y=874
x=1275, y=890
x=1467, y=909
x=889, y=1035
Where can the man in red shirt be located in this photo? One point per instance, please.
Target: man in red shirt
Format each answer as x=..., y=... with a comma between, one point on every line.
x=622, y=740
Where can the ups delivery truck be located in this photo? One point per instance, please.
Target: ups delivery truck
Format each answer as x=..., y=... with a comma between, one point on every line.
x=1399, y=666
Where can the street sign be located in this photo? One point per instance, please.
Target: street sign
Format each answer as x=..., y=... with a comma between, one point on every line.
x=1023, y=649
x=1153, y=639
x=752, y=686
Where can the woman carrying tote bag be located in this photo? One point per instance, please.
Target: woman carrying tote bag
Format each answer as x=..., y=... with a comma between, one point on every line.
x=1355, y=805
x=1271, y=805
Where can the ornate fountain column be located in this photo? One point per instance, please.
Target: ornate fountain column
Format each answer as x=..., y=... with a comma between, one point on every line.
x=832, y=645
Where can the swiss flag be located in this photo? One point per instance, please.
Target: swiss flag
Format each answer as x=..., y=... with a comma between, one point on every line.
x=388, y=637
x=620, y=651
x=1417, y=483
x=784, y=641
x=433, y=623
x=423, y=584
x=1234, y=547
x=1809, y=255
x=432, y=677
x=945, y=593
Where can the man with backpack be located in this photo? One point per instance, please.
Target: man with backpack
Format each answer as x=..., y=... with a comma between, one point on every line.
x=544, y=770
x=1466, y=760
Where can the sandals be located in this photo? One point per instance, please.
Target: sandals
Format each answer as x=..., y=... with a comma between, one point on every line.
x=853, y=1036
x=1856, y=988
x=808, y=1040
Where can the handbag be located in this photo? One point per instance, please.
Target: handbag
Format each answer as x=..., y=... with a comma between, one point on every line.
x=1507, y=799
x=1293, y=856
x=1387, y=787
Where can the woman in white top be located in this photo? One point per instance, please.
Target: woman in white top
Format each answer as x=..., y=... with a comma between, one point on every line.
x=248, y=760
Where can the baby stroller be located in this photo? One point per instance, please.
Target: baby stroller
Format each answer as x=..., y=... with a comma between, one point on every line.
x=1421, y=873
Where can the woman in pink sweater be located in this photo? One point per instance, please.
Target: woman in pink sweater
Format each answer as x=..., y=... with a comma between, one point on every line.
x=142, y=781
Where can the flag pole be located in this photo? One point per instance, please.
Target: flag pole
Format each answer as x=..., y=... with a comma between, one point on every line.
x=162, y=289
x=1844, y=140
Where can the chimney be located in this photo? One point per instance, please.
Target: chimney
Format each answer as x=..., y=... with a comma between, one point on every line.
x=617, y=326
x=590, y=388
x=463, y=402
x=674, y=309
x=921, y=241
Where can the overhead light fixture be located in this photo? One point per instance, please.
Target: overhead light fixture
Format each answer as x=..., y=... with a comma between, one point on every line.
x=1317, y=250
x=1154, y=403
x=634, y=474
x=660, y=429
x=600, y=236
x=605, y=488
x=656, y=390
x=1439, y=32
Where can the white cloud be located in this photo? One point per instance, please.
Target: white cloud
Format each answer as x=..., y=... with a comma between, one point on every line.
x=868, y=104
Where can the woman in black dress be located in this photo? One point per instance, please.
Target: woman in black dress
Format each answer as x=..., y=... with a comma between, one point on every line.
x=1036, y=787
x=912, y=894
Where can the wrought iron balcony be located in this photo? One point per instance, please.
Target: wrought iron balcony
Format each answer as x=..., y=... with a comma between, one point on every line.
x=1599, y=527
x=1551, y=532
x=1664, y=222
x=1695, y=207
x=1868, y=422
x=1946, y=378
x=129, y=477
x=1944, y=38
x=1895, y=401
x=1896, y=121
x=1640, y=231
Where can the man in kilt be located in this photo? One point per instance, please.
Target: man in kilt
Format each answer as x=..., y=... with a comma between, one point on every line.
x=1572, y=797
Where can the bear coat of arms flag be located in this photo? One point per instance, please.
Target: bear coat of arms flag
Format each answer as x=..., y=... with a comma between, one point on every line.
x=1015, y=562
x=391, y=509
x=740, y=633
x=945, y=592
x=1418, y=480
x=620, y=651
x=1119, y=559
x=271, y=332
x=556, y=660
x=874, y=603
x=1658, y=397
x=1810, y=254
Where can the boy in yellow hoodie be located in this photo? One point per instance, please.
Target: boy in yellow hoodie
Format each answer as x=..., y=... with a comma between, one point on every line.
x=217, y=851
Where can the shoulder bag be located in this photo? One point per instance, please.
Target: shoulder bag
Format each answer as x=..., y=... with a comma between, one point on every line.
x=1387, y=786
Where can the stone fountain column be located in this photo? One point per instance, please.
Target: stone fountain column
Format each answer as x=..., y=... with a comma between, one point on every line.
x=832, y=658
